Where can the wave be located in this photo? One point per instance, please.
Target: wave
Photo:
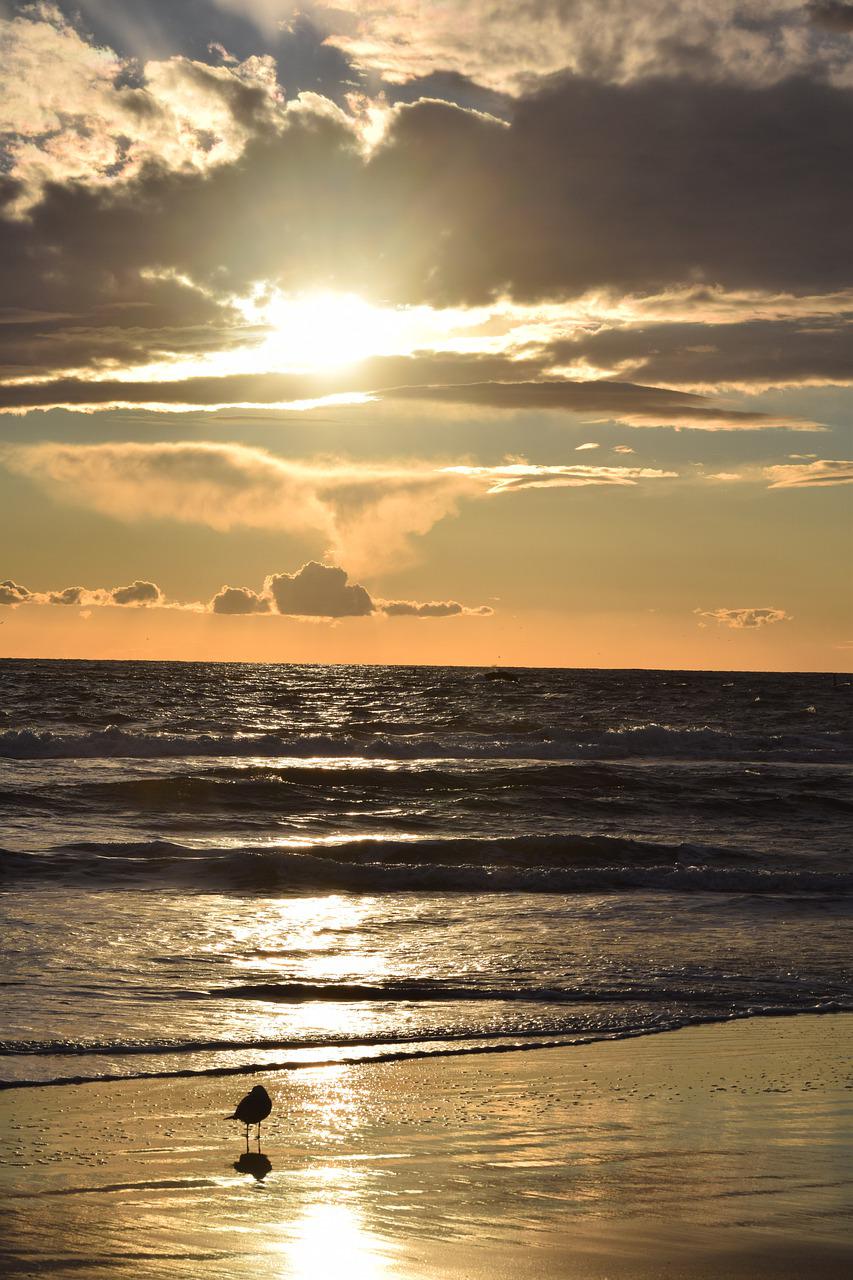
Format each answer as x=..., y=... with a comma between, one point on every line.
x=442, y=1046
x=421, y=991
x=646, y=741
x=489, y=790
x=712, y=1004
x=521, y=864
x=154, y=1048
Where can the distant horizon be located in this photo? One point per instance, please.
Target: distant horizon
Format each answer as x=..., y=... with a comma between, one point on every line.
x=461, y=666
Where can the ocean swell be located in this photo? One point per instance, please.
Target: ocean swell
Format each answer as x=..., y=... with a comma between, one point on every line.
x=652, y=741
x=524, y=864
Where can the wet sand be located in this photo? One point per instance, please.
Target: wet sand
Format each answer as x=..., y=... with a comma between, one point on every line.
x=720, y=1151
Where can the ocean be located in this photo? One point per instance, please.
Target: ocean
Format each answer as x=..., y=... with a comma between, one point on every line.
x=216, y=867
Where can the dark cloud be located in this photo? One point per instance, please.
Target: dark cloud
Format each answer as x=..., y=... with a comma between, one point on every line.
x=71, y=595
x=832, y=15
x=239, y=600
x=13, y=592
x=315, y=590
x=158, y=319
x=139, y=592
x=624, y=401
x=430, y=609
x=323, y=591
x=318, y=590
x=381, y=374
x=632, y=187
x=763, y=351
x=493, y=382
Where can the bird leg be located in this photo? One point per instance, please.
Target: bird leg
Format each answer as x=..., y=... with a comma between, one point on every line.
x=247, y=1139
x=259, y=1135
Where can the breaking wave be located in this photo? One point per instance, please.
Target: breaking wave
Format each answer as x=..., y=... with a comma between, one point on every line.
x=642, y=741
x=522, y=864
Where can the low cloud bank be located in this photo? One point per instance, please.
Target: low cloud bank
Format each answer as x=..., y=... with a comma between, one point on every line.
x=236, y=600
x=431, y=609
x=316, y=591
x=137, y=593
x=743, y=619
x=324, y=591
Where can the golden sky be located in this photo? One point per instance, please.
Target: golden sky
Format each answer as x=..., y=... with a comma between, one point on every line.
x=427, y=332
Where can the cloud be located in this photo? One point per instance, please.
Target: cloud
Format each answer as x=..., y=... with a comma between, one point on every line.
x=239, y=600
x=75, y=111
x=495, y=44
x=744, y=619
x=119, y=166
x=12, y=593
x=810, y=349
x=371, y=513
x=525, y=475
x=324, y=591
x=833, y=15
x=480, y=379
x=588, y=445
x=367, y=513
x=438, y=376
x=624, y=402
x=431, y=609
x=139, y=592
x=70, y=595
x=806, y=475
x=451, y=208
x=318, y=590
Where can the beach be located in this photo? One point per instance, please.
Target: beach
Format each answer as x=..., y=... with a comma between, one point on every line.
x=704, y=1152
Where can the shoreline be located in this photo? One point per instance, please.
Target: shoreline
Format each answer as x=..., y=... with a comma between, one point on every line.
x=708, y=1151
x=393, y=1055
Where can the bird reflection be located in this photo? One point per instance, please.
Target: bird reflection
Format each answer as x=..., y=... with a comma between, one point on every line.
x=255, y=1163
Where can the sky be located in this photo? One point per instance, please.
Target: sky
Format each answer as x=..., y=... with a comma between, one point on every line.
x=473, y=332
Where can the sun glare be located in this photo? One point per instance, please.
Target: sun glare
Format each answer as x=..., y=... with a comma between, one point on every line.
x=324, y=330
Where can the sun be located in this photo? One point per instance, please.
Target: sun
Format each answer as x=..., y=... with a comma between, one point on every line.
x=326, y=329
x=313, y=332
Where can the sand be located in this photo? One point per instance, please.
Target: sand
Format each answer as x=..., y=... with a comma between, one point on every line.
x=718, y=1151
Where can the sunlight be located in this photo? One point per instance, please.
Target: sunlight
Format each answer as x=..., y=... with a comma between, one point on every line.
x=331, y=1241
x=323, y=330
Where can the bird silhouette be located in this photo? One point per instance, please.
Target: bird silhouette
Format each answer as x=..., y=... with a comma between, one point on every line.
x=252, y=1109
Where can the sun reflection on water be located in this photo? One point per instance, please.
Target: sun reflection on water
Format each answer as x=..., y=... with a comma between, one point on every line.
x=329, y=1241
x=307, y=940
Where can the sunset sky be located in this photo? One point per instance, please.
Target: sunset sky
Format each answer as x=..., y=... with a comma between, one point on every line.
x=466, y=332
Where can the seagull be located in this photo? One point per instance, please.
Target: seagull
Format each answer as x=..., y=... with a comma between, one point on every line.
x=252, y=1109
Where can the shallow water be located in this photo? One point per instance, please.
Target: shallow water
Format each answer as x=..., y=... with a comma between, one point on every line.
x=208, y=865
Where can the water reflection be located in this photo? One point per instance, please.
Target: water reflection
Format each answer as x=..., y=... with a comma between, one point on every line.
x=331, y=1240
x=255, y=1163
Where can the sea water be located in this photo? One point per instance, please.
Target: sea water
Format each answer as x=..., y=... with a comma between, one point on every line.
x=209, y=867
